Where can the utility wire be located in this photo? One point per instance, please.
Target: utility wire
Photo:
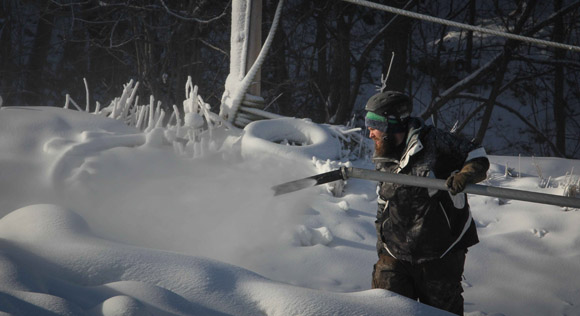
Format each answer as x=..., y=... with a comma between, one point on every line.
x=428, y=18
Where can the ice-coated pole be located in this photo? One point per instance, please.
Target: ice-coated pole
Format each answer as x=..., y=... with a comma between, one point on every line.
x=478, y=189
x=430, y=183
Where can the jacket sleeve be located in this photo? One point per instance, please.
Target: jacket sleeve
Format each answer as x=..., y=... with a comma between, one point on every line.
x=476, y=169
x=457, y=152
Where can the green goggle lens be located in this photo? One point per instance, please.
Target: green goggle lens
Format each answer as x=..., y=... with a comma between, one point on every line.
x=375, y=117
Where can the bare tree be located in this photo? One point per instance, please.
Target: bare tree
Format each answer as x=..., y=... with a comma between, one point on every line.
x=158, y=43
x=517, y=69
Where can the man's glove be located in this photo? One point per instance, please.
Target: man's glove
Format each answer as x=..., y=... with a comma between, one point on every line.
x=472, y=172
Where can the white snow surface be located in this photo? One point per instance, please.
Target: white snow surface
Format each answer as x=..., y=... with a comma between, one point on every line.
x=97, y=218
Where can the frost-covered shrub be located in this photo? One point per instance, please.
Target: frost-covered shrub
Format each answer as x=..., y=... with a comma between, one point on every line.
x=572, y=186
x=192, y=129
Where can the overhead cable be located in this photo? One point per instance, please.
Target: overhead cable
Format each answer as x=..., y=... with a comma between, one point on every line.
x=468, y=27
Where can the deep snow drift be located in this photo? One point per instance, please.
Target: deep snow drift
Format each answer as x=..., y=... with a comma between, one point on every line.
x=100, y=219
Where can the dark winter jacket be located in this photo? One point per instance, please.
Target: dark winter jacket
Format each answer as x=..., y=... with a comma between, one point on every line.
x=418, y=224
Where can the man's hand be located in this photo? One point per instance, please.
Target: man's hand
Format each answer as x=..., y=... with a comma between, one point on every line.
x=457, y=182
x=472, y=172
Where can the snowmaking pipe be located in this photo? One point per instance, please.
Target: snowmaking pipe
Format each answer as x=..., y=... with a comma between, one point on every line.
x=430, y=183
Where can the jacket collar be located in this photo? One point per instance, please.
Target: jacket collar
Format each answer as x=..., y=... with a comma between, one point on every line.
x=414, y=144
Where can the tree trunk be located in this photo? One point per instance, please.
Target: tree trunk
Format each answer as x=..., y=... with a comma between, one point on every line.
x=496, y=90
x=559, y=105
x=469, y=38
x=34, y=77
x=340, y=75
x=254, y=44
x=396, y=40
x=7, y=66
x=501, y=71
x=321, y=79
x=275, y=80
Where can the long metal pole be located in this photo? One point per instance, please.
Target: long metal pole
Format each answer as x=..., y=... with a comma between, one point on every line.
x=477, y=189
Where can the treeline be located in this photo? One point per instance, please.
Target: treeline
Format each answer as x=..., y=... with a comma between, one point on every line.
x=49, y=46
x=326, y=60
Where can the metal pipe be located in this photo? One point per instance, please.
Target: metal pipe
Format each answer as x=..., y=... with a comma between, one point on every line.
x=477, y=189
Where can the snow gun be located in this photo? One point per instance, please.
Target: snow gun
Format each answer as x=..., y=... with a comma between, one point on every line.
x=431, y=183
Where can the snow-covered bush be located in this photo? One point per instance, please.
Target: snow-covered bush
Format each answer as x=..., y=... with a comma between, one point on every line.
x=572, y=186
x=192, y=128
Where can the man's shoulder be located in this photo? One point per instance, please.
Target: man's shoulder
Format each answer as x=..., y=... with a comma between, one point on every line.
x=430, y=131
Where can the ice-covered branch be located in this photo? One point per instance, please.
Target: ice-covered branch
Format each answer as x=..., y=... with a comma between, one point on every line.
x=235, y=89
x=189, y=130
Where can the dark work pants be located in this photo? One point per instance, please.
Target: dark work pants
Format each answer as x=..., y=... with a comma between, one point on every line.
x=436, y=282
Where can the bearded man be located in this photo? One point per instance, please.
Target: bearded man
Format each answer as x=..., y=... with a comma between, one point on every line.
x=422, y=234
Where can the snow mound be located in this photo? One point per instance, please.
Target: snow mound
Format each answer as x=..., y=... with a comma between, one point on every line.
x=288, y=138
x=83, y=274
x=313, y=236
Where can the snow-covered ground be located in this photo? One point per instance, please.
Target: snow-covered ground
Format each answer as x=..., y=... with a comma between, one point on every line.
x=100, y=219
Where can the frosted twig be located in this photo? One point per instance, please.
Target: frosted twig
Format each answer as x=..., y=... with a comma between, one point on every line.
x=171, y=118
x=133, y=115
x=140, y=116
x=69, y=99
x=159, y=122
x=151, y=113
x=519, y=165
x=127, y=104
x=177, y=115
x=87, y=94
x=272, y=102
x=454, y=128
x=385, y=78
x=158, y=113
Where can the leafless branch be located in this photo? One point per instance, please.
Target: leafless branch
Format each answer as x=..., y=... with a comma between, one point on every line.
x=214, y=47
x=179, y=16
x=532, y=126
x=385, y=78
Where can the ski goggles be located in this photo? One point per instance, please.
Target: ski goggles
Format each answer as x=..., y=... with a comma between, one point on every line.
x=383, y=124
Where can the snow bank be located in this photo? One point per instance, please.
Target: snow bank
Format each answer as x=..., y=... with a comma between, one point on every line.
x=85, y=275
x=99, y=219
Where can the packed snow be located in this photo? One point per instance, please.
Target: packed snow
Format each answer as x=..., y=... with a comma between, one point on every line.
x=99, y=218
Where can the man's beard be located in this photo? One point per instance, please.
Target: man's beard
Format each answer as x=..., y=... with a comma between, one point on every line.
x=385, y=147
